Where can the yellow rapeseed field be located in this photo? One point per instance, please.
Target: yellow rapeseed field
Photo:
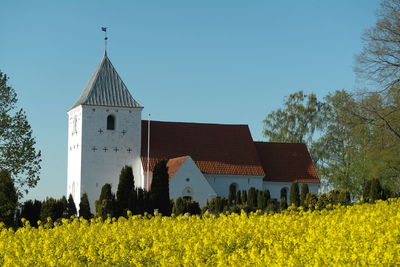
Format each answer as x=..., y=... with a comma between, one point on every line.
x=367, y=234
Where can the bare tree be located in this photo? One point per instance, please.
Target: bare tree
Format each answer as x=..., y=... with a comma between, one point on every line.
x=379, y=60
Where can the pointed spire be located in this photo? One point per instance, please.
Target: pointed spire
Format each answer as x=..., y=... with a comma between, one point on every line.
x=106, y=88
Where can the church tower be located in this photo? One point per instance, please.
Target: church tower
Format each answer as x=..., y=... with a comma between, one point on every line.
x=104, y=134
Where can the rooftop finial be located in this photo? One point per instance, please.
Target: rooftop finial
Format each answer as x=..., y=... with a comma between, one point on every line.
x=104, y=29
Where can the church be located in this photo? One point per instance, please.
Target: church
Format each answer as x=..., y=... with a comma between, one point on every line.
x=106, y=132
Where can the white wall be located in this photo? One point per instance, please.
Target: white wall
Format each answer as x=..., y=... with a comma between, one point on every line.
x=220, y=183
x=123, y=148
x=74, y=154
x=189, y=181
x=275, y=188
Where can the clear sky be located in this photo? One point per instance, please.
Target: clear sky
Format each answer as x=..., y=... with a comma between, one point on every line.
x=215, y=61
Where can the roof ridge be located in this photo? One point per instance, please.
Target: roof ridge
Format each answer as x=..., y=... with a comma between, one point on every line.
x=198, y=123
x=285, y=143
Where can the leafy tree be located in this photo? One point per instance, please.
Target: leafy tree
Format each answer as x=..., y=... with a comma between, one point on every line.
x=297, y=121
x=160, y=188
x=379, y=60
x=71, y=208
x=126, y=193
x=31, y=211
x=376, y=191
x=105, y=205
x=8, y=198
x=294, y=194
x=17, y=146
x=304, y=192
x=84, y=207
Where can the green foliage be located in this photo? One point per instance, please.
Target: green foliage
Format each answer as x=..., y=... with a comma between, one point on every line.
x=84, y=207
x=55, y=209
x=126, y=193
x=239, y=198
x=8, y=198
x=217, y=205
x=183, y=206
x=31, y=211
x=297, y=121
x=244, y=197
x=273, y=205
x=304, y=192
x=159, y=191
x=106, y=205
x=333, y=197
x=17, y=153
x=232, y=194
x=283, y=204
x=295, y=194
x=71, y=208
x=260, y=200
x=252, y=197
x=311, y=200
x=376, y=191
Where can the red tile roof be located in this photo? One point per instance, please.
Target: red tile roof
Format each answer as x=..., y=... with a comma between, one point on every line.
x=215, y=148
x=174, y=165
x=287, y=162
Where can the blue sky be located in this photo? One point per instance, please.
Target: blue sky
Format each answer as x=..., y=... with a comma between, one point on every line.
x=223, y=61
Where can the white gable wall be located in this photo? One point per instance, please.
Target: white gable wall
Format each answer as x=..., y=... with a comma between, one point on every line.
x=189, y=181
x=221, y=182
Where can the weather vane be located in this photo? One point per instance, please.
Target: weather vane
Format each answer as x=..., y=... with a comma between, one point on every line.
x=104, y=29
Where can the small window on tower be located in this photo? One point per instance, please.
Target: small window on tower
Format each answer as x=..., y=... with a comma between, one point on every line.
x=110, y=122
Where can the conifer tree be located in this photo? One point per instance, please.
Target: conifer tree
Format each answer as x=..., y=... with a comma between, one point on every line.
x=283, y=203
x=294, y=194
x=232, y=194
x=260, y=200
x=159, y=192
x=105, y=205
x=304, y=192
x=126, y=193
x=266, y=197
x=252, y=197
x=84, y=207
x=239, y=198
x=179, y=206
x=244, y=197
x=71, y=208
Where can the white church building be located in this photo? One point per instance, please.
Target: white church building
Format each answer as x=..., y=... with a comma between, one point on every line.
x=106, y=132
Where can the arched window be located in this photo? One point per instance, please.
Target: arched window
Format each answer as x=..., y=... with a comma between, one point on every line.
x=187, y=193
x=110, y=122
